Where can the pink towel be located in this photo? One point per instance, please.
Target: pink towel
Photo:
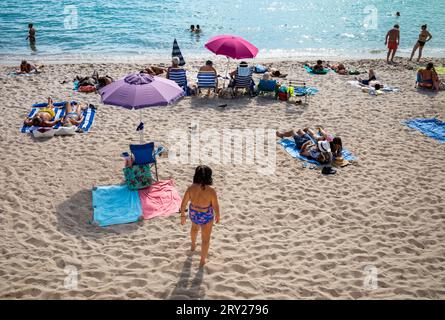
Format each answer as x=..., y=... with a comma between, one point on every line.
x=161, y=199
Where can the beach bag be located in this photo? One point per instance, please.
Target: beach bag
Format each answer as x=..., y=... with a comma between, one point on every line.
x=260, y=69
x=138, y=176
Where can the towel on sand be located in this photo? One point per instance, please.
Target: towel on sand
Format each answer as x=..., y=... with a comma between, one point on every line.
x=289, y=146
x=115, y=205
x=433, y=128
x=161, y=199
x=309, y=70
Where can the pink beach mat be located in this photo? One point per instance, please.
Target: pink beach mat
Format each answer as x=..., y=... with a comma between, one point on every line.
x=161, y=199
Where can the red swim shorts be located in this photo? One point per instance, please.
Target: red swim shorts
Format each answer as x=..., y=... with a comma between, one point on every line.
x=392, y=45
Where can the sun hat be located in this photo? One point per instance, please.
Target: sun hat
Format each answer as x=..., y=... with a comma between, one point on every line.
x=324, y=146
x=175, y=60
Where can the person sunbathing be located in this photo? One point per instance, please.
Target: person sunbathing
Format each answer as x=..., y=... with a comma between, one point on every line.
x=26, y=67
x=428, y=77
x=318, y=67
x=371, y=78
x=43, y=117
x=153, y=70
x=73, y=116
x=104, y=81
x=339, y=68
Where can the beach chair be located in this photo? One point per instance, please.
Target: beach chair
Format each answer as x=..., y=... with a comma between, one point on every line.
x=243, y=80
x=146, y=154
x=300, y=89
x=267, y=86
x=207, y=80
x=180, y=77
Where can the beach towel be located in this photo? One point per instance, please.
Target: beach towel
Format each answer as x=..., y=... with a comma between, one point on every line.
x=289, y=147
x=15, y=74
x=161, y=199
x=176, y=52
x=433, y=128
x=59, y=109
x=309, y=70
x=301, y=91
x=371, y=90
x=115, y=205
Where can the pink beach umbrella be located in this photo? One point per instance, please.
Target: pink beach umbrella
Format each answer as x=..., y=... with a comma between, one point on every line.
x=231, y=46
x=137, y=91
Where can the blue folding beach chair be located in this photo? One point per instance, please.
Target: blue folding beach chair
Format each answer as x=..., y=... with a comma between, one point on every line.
x=207, y=80
x=146, y=154
x=267, y=86
x=180, y=77
x=243, y=80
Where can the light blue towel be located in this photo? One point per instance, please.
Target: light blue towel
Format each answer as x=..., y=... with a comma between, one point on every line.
x=115, y=205
x=433, y=128
x=301, y=91
x=289, y=146
x=309, y=70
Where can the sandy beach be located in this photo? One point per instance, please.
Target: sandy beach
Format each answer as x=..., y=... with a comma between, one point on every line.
x=295, y=234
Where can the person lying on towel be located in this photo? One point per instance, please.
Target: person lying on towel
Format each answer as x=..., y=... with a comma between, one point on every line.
x=73, y=115
x=339, y=68
x=43, y=117
x=318, y=67
x=307, y=141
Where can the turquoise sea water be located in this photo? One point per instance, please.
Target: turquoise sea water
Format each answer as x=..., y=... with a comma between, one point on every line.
x=131, y=28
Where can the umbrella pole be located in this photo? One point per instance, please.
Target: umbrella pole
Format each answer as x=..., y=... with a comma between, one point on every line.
x=227, y=72
x=142, y=130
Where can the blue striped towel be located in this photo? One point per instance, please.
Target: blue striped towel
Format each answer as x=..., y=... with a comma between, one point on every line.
x=59, y=109
x=289, y=147
x=206, y=79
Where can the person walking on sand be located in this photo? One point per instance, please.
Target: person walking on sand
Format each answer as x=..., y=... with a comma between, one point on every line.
x=203, y=209
x=424, y=37
x=392, y=40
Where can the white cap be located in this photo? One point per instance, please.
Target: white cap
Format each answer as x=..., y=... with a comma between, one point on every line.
x=324, y=146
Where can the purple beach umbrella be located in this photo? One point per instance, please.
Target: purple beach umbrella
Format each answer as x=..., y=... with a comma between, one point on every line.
x=137, y=91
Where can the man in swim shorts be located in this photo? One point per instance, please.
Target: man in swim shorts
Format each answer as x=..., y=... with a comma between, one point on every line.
x=392, y=40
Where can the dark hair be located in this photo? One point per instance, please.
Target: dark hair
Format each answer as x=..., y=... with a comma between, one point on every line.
x=336, y=142
x=36, y=121
x=429, y=66
x=192, y=26
x=377, y=86
x=197, y=26
x=209, y=63
x=397, y=13
x=424, y=26
x=30, y=25
x=319, y=62
x=203, y=176
x=243, y=63
x=23, y=62
x=396, y=26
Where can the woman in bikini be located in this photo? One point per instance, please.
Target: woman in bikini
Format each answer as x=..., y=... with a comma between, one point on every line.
x=424, y=37
x=203, y=209
x=73, y=116
x=43, y=117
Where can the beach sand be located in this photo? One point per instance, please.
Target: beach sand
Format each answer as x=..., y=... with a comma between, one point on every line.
x=295, y=234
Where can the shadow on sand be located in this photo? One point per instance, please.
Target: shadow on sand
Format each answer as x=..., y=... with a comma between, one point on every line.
x=182, y=289
x=74, y=217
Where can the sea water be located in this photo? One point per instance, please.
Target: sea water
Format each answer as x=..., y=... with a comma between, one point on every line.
x=280, y=29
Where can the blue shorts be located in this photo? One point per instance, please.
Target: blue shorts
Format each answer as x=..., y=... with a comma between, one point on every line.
x=300, y=140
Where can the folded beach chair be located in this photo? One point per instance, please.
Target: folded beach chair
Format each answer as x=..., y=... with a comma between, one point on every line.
x=180, y=77
x=267, y=86
x=243, y=80
x=146, y=154
x=207, y=80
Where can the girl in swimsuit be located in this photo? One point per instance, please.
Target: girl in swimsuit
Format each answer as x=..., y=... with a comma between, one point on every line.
x=203, y=209
x=424, y=37
x=73, y=117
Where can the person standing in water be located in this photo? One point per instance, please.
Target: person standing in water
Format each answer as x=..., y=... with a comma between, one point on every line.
x=203, y=209
x=424, y=37
x=31, y=34
x=392, y=39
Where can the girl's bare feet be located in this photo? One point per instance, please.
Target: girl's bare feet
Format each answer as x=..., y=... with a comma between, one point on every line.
x=193, y=247
x=202, y=263
x=279, y=135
